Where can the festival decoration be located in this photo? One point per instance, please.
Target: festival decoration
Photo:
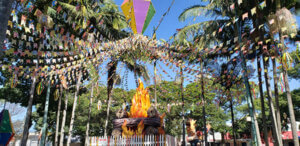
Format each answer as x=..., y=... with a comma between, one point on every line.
x=142, y=118
x=138, y=13
x=191, y=130
x=140, y=103
x=64, y=61
x=40, y=88
x=56, y=94
x=6, y=128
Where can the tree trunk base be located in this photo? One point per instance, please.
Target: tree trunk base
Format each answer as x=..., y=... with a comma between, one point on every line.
x=133, y=122
x=151, y=125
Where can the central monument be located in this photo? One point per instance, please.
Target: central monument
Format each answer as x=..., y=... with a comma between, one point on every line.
x=142, y=119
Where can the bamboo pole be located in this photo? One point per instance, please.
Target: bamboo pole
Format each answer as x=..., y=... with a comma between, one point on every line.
x=44, y=129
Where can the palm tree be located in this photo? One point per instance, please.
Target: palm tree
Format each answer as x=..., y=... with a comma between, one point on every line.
x=111, y=80
x=107, y=13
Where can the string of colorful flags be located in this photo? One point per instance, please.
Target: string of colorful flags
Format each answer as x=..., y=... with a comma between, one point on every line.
x=60, y=53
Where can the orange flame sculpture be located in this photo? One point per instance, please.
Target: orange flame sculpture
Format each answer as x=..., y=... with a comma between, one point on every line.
x=140, y=103
x=127, y=132
x=140, y=128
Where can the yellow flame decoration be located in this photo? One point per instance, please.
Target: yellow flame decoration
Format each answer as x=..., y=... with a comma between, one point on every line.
x=140, y=103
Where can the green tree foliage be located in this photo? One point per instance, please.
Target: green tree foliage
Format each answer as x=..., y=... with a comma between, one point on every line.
x=169, y=102
x=242, y=110
x=97, y=116
x=283, y=104
x=168, y=96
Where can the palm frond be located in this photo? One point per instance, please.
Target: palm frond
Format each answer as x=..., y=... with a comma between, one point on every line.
x=196, y=10
x=51, y=12
x=118, y=79
x=71, y=9
x=141, y=71
x=200, y=28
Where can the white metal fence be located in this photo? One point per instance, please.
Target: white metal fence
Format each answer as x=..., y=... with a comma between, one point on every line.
x=147, y=140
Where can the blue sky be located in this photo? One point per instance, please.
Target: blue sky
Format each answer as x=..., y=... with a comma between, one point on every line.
x=170, y=23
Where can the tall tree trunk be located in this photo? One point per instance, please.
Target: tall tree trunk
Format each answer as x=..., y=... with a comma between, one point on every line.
x=262, y=102
x=287, y=89
x=289, y=98
x=107, y=113
x=275, y=79
x=44, y=129
x=29, y=106
x=203, y=102
x=232, y=119
x=5, y=11
x=256, y=23
x=223, y=139
x=110, y=85
x=58, y=116
x=28, y=113
x=74, y=108
x=214, y=138
x=254, y=124
x=155, y=97
x=87, y=142
x=182, y=98
x=271, y=106
x=291, y=107
x=62, y=128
